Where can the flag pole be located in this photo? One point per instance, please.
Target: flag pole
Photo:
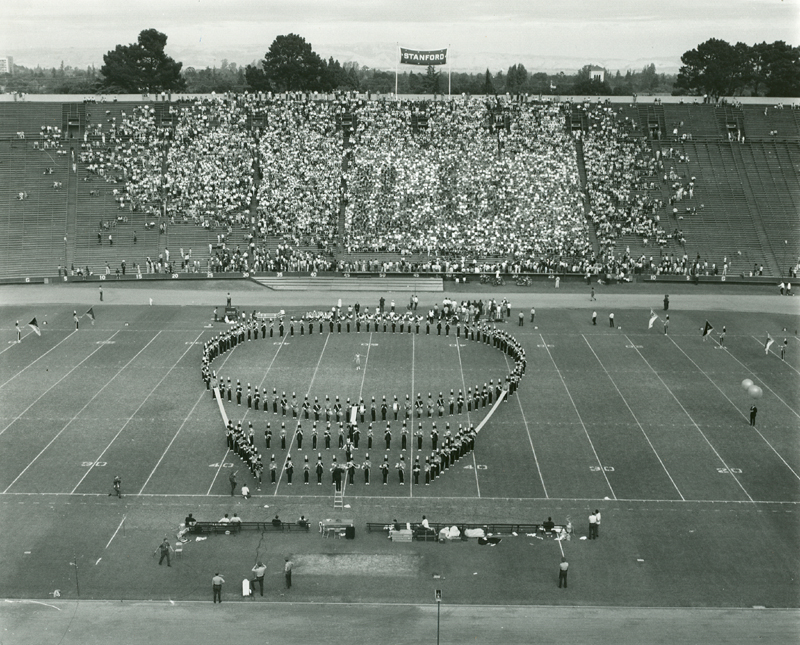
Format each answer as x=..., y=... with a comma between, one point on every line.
x=449, y=70
x=397, y=58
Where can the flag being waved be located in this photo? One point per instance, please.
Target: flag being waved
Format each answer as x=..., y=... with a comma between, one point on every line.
x=653, y=318
x=35, y=326
x=707, y=330
x=768, y=344
x=90, y=313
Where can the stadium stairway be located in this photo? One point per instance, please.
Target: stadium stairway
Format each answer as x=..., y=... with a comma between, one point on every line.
x=406, y=284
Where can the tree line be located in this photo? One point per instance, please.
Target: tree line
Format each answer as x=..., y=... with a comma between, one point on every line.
x=715, y=68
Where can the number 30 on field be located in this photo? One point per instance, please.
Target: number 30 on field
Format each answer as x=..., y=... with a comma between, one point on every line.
x=597, y=469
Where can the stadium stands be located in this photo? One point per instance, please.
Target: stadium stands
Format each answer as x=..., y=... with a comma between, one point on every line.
x=291, y=183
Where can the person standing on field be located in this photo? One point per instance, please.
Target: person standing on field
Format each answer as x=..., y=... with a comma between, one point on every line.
x=562, y=572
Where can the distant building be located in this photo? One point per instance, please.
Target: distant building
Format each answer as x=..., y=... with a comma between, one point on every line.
x=6, y=65
x=597, y=73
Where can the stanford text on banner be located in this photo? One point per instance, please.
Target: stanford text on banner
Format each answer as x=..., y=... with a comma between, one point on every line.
x=416, y=57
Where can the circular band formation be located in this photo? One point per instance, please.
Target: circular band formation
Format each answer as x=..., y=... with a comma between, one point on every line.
x=348, y=418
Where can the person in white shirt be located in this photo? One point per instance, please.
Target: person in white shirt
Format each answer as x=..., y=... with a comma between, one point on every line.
x=245, y=491
x=260, y=569
x=225, y=520
x=592, y=526
x=425, y=522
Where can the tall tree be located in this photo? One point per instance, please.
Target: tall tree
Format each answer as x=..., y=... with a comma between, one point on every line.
x=142, y=66
x=291, y=65
x=432, y=80
x=488, y=85
x=516, y=78
x=715, y=68
x=256, y=79
x=782, y=69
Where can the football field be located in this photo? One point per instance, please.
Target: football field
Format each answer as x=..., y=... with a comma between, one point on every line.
x=699, y=507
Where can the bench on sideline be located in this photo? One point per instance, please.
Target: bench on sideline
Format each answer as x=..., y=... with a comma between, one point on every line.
x=202, y=528
x=493, y=528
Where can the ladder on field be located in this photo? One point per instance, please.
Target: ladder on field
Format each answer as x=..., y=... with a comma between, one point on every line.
x=338, y=499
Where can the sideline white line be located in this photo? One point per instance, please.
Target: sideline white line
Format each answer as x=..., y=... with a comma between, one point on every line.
x=464, y=385
x=621, y=500
x=694, y=423
x=652, y=447
x=76, y=414
x=580, y=418
x=738, y=410
x=38, y=359
x=115, y=533
x=130, y=418
x=294, y=435
x=530, y=438
x=776, y=354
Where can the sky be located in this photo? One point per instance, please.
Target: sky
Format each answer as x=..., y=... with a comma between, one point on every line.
x=542, y=35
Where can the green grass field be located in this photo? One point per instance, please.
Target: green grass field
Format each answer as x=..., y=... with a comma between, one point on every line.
x=699, y=509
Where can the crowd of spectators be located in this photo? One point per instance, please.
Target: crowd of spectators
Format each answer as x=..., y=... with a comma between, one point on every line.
x=467, y=185
x=460, y=187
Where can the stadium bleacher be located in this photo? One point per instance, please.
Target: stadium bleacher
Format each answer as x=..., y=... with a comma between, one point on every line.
x=409, y=190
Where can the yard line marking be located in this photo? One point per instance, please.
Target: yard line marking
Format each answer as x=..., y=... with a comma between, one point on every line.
x=737, y=409
x=689, y=416
x=221, y=462
x=411, y=438
x=530, y=438
x=175, y=436
x=76, y=415
x=155, y=387
x=761, y=342
x=169, y=445
x=115, y=534
x=291, y=441
x=53, y=385
x=634, y=418
x=580, y=418
x=74, y=331
x=464, y=385
x=366, y=361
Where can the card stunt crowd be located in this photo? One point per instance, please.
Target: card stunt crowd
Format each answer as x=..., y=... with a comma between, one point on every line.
x=462, y=320
x=277, y=166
